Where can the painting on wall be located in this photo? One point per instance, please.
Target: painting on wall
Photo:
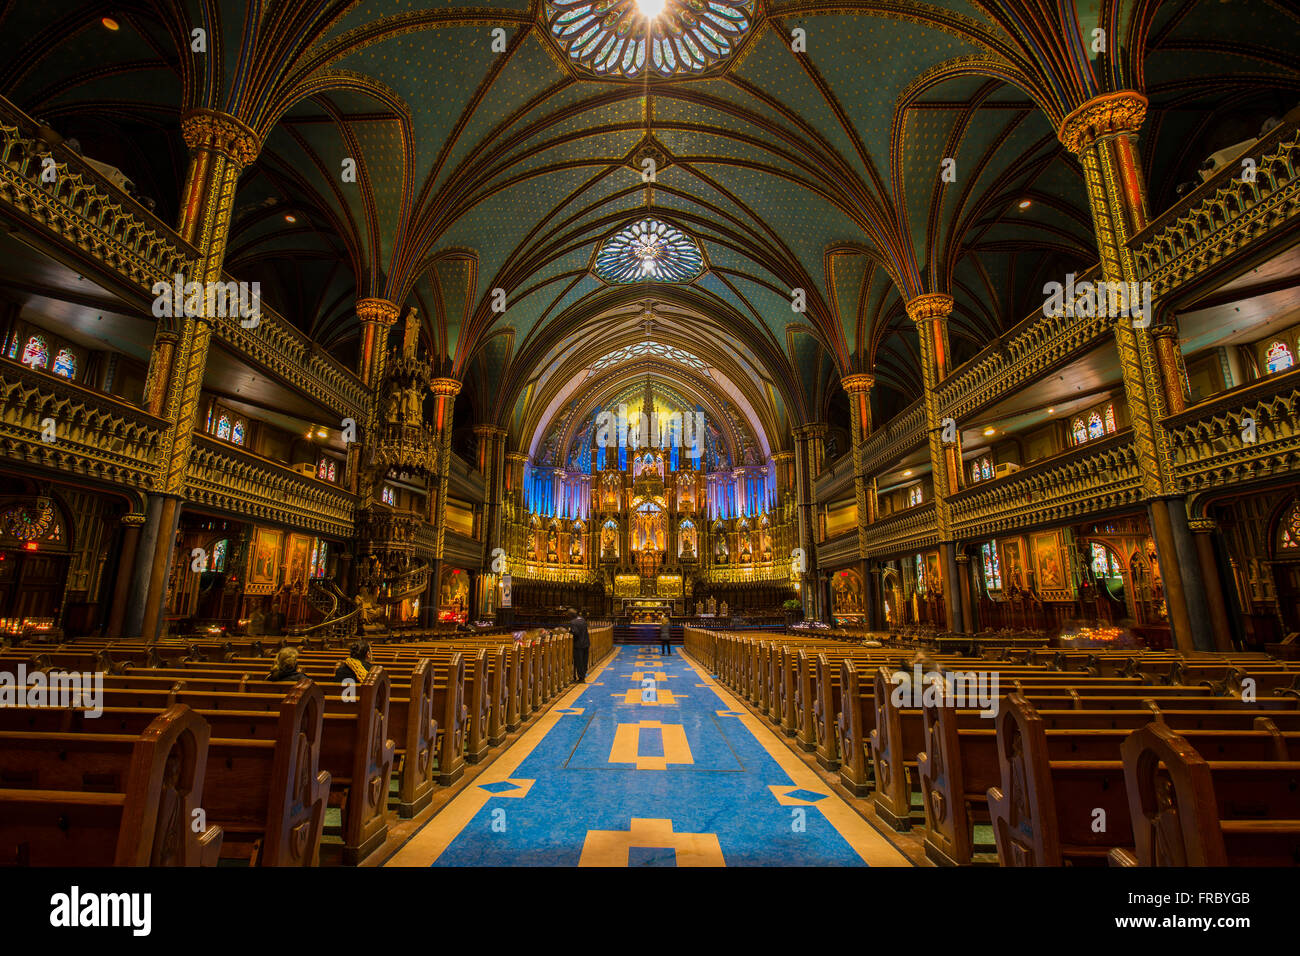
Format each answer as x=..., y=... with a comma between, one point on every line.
x=297, y=554
x=264, y=561
x=1051, y=579
x=1013, y=565
x=933, y=577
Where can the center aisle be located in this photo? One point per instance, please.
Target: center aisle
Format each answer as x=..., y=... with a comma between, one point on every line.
x=650, y=764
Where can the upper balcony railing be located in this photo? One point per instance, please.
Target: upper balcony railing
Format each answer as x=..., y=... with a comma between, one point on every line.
x=887, y=444
x=1237, y=207
x=1090, y=479
x=59, y=195
x=912, y=529
x=1245, y=434
x=236, y=481
x=53, y=423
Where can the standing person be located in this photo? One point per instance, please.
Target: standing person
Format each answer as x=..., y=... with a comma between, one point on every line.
x=581, y=644
x=665, y=644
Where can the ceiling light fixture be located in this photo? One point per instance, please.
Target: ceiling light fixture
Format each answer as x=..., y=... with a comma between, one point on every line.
x=650, y=8
x=110, y=24
x=290, y=217
x=1025, y=203
x=908, y=473
x=990, y=431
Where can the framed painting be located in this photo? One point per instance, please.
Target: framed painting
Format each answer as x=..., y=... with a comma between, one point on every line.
x=1053, y=583
x=264, y=561
x=933, y=576
x=297, y=554
x=1013, y=565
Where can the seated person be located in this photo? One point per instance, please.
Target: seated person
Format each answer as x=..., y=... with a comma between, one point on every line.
x=357, y=663
x=286, y=666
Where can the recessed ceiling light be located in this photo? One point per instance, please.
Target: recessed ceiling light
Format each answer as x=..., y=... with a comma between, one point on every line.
x=1024, y=204
x=290, y=217
x=908, y=473
x=110, y=24
x=990, y=431
x=1051, y=411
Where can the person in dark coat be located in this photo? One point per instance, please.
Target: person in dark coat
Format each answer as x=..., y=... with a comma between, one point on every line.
x=581, y=644
x=286, y=666
x=665, y=643
x=356, y=665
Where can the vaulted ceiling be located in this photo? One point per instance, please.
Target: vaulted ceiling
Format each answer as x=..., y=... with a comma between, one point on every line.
x=493, y=150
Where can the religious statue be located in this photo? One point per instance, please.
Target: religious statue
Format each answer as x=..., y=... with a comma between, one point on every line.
x=720, y=552
x=371, y=613
x=722, y=609
x=688, y=541
x=552, y=554
x=575, y=549
x=699, y=608
x=712, y=606
x=746, y=552
x=609, y=541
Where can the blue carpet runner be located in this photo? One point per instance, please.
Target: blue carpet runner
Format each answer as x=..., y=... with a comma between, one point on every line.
x=650, y=764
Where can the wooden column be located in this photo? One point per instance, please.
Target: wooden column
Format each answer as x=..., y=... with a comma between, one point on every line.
x=131, y=525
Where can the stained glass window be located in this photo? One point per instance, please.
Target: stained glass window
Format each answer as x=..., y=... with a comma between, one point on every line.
x=981, y=469
x=217, y=560
x=1289, y=539
x=322, y=470
x=920, y=575
x=647, y=349
x=1079, y=432
x=914, y=495
x=649, y=251
x=1110, y=419
x=389, y=496
x=1100, y=562
x=223, y=427
x=1278, y=357
x=992, y=569
x=36, y=353
x=65, y=364
x=237, y=432
x=1095, y=427
x=615, y=38
x=319, y=554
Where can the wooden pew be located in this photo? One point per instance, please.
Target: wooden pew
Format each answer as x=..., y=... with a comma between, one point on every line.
x=95, y=799
x=1188, y=811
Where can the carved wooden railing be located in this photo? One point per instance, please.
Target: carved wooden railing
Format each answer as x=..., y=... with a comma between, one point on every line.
x=841, y=547
x=834, y=478
x=903, y=434
x=1090, y=479
x=339, y=613
x=79, y=208
x=232, y=480
x=83, y=211
x=1022, y=355
x=1223, y=215
x=89, y=434
x=412, y=448
x=905, y=531
x=1242, y=435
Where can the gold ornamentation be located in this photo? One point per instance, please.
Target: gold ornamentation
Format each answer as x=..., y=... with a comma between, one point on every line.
x=1108, y=115
x=226, y=134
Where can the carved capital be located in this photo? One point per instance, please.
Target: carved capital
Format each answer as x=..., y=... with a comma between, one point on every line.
x=490, y=431
x=518, y=457
x=1202, y=525
x=448, y=387
x=1109, y=115
x=853, y=384
x=132, y=521
x=380, y=311
x=222, y=133
x=932, y=306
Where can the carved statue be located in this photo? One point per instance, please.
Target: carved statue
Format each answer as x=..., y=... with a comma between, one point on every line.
x=575, y=549
x=722, y=609
x=699, y=608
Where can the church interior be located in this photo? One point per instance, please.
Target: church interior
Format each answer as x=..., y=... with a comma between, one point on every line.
x=627, y=433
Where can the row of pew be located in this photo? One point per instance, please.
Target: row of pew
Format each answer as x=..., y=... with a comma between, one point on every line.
x=1108, y=757
x=170, y=760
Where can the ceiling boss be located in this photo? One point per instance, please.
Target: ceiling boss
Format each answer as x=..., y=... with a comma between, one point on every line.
x=676, y=37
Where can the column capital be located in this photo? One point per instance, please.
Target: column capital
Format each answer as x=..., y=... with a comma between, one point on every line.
x=810, y=430
x=932, y=305
x=222, y=133
x=490, y=431
x=132, y=521
x=782, y=456
x=518, y=457
x=861, y=382
x=1202, y=525
x=380, y=311
x=963, y=558
x=1164, y=332
x=445, y=386
x=1110, y=114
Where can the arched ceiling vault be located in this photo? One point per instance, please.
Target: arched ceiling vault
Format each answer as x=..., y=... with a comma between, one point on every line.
x=486, y=159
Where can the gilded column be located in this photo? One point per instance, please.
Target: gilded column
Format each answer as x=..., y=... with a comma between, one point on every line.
x=930, y=313
x=1103, y=134
x=220, y=147
x=444, y=392
x=810, y=444
x=377, y=317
